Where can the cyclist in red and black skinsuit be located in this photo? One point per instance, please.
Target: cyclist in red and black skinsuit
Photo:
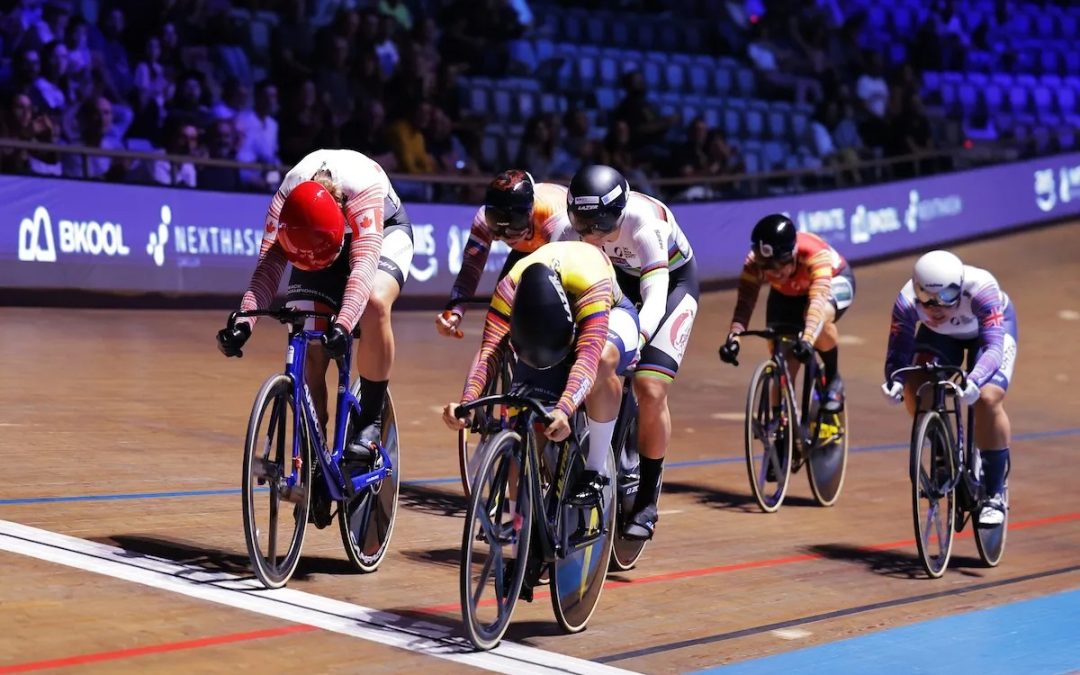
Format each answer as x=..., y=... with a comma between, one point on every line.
x=812, y=286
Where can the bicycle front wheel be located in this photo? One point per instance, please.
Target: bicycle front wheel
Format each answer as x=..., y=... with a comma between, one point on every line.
x=273, y=473
x=471, y=439
x=495, y=543
x=578, y=574
x=933, y=492
x=769, y=436
x=827, y=464
x=367, y=520
x=990, y=541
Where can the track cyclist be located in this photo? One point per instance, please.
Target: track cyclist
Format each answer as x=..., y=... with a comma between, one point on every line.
x=957, y=307
x=574, y=334
x=811, y=285
x=655, y=266
x=337, y=219
x=524, y=214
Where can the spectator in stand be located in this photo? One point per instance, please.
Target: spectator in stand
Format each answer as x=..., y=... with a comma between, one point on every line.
x=191, y=100
x=153, y=90
x=406, y=137
x=96, y=130
x=912, y=136
x=25, y=70
x=398, y=11
x=332, y=80
x=181, y=139
x=646, y=126
x=539, y=152
x=19, y=121
x=836, y=138
x=235, y=100
x=77, y=40
x=52, y=87
x=619, y=153
x=953, y=40
x=114, y=53
x=692, y=157
x=258, y=132
x=220, y=144
x=51, y=27
x=576, y=132
x=385, y=48
x=304, y=121
x=366, y=132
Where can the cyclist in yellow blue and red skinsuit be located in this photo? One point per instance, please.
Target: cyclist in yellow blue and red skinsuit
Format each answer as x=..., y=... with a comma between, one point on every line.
x=812, y=286
x=561, y=308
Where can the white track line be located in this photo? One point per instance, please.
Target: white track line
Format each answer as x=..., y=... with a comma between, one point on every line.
x=305, y=608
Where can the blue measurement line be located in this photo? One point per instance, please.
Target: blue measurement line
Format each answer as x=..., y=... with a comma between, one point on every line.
x=1030, y=436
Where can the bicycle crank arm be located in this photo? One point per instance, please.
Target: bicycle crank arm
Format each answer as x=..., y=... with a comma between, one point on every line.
x=295, y=494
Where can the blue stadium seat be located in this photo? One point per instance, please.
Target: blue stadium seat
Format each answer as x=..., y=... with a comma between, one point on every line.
x=596, y=30
x=620, y=32
x=675, y=77
x=1043, y=98
x=652, y=71
x=609, y=71
x=699, y=79
x=587, y=71
x=745, y=79
x=931, y=80
x=689, y=112
x=733, y=123
x=755, y=123
x=1018, y=99
x=646, y=34
x=606, y=98
x=774, y=156
x=1072, y=61
x=776, y=122
x=668, y=38
x=800, y=127
x=544, y=48
x=693, y=40
x=1049, y=61
x=1066, y=99
x=572, y=27
x=550, y=103
x=994, y=97
x=968, y=96
x=491, y=150
x=502, y=104
x=712, y=117
x=527, y=104
x=722, y=80
x=1045, y=25
x=478, y=99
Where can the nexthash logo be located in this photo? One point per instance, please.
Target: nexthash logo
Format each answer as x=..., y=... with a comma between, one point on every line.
x=155, y=247
x=86, y=237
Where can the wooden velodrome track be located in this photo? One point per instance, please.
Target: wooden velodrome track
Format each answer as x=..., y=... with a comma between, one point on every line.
x=140, y=407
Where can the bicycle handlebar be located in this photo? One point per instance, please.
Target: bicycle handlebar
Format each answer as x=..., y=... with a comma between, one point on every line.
x=463, y=410
x=940, y=371
x=282, y=315
x=781, y=332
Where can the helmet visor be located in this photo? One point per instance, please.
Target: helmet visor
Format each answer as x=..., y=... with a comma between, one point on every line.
x=949, y=296
x=507, y=223
x=598, y=221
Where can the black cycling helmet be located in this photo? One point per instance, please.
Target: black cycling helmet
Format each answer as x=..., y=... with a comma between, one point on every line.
x=508, y=203
x=541, y=322
x=773, y=240
x=597, y=197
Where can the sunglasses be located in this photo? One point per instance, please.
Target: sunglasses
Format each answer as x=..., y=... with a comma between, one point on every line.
x=946, y=297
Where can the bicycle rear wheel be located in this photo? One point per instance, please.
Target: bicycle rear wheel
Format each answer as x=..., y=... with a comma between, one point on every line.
x=471, y=438
x=626, y=552
x=495, y=544
x=990, y=541
x=769, y=437
x=827, y=464
x=366, y=521
x=578, y=573
x=933, y=492
x=269, y=465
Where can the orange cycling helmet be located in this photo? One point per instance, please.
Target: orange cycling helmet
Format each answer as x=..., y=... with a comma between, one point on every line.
x=311, y=229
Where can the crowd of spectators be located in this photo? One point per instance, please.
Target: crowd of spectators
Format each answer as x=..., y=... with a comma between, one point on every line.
x=267, y=81
x=259, y=81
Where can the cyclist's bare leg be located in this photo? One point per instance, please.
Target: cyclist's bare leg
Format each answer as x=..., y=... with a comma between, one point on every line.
x=654, y=420
x=375, y=348
x=992, y=428
x=827, y=338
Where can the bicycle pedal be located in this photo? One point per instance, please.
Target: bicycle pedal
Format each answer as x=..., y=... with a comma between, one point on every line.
x=265, y=470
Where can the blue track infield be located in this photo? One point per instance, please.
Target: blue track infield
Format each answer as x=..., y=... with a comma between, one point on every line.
x=1033, y=637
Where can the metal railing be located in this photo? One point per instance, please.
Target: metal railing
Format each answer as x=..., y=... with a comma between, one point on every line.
x=869, y=171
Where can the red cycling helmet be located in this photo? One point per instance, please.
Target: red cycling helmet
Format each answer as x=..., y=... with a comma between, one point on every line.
x=311, y=229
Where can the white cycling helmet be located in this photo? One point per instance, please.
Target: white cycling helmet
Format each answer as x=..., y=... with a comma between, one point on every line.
x=938, y=279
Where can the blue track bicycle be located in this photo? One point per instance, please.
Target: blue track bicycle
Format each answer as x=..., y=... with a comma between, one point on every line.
x=283, y=436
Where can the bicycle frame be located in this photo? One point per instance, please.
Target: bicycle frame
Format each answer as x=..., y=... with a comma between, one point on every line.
x=306, y=423
x=520, y=413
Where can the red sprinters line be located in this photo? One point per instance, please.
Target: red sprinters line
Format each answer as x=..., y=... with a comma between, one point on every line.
x=83, y=659
x=771, y=562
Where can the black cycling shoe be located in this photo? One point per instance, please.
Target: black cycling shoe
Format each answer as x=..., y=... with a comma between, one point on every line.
x=588, y=489
x=641, y=525
x=365, y=447
x=319, y=515
x=834, y=394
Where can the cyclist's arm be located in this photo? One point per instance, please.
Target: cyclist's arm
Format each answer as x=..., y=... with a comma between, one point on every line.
x=364, y=215
x=749, y=288
x=473, y=259
x=986, y=305
x=496, y=328
x=270, y=266
x=901, y=335
x=821, y=274
x=592, y=311
x=655, y=276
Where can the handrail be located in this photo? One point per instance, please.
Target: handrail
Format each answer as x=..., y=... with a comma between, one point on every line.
x=681, y=181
